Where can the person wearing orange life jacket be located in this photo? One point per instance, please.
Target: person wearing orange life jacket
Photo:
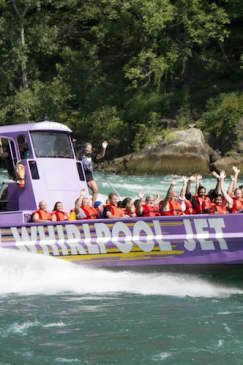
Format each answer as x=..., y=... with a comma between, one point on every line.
x=111, y=210
x=171, y=205
x=235, y=203
x=203, y=203
x=188, y=207
x=41, y=215
x=219, y=206
x=128, y=207
x=58, y=214
x=90, y=211
x=78, y=212
x=150, y=208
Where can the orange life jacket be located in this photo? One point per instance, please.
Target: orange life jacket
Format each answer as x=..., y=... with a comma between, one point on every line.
x=91, y=212
x=219, y=209
x=150, y=210
x=61, y=216
x=204, y=206
x=174, y=209
x=43, y=215
x=115, y=211
x=237, y=206
x=189, y=208
x=130, y=214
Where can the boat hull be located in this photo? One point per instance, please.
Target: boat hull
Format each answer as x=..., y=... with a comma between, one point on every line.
x=135, y=242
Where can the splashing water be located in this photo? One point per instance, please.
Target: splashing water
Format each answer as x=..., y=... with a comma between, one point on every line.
x=27, y=273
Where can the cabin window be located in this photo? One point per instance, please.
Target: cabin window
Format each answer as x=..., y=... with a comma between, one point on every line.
x=52, y=144
x=80, y=171
x=14, y=156
x=23, y=147
x=34, y=170
x=6, y=161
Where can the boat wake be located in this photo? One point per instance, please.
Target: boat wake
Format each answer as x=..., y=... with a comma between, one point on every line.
x=25, y=273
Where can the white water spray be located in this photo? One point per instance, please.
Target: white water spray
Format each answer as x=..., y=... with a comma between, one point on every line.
x=26, y=273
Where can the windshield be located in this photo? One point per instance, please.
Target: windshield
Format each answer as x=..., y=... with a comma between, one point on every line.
x=52, y=144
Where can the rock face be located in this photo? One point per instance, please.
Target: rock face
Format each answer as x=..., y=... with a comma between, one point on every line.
x=182, y=152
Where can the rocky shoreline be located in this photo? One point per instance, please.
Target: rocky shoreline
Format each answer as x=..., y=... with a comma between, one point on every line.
x=181, y=152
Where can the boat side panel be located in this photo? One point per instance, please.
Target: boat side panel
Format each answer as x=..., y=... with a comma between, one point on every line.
x=184, y=240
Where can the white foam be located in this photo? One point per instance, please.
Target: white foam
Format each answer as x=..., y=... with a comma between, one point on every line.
x=26, y=273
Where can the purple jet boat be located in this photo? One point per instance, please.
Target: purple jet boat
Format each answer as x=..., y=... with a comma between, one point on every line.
x=53, y=173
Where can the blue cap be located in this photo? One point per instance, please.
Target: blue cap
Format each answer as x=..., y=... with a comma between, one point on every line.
x=97, y=203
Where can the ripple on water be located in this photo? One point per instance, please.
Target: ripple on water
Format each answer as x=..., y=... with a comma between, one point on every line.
x=161, y=356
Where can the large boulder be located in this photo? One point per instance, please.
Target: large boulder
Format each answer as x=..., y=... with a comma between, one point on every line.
x=181, y=152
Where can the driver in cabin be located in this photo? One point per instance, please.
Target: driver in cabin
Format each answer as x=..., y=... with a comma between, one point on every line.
x=41, y=215
x=23, y=147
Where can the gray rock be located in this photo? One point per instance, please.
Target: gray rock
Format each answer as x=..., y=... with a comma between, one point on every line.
x=181, y=152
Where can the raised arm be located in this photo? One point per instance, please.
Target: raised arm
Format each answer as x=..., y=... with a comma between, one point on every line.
x=217, y=187
x=165, y=201
x=225, y=194
x=184, y=187
x=198, y=179
x=102, y=153
x=234, y=179
x=78, y=201
x=157, y=198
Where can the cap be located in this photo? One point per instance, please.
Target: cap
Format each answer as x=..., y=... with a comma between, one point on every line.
x=97, y=203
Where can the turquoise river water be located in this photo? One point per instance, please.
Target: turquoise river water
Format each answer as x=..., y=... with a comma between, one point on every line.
x=52, y=312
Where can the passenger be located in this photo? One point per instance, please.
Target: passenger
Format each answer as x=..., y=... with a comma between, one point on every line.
x=185, y=204
x=138, y=204
x=150, y=209
x=41, y=215
x=120, y=204
x=203, y=203
x=58, y=214
x=90, y=211
x=129, y=209
x=78, y=211
x=171, y=204
x=190, y=201
x=219, y=206
x=235, y=203
x=111, y=210
x=87, y=156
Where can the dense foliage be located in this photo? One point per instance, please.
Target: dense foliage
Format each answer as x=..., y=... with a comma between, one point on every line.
x=116, y=69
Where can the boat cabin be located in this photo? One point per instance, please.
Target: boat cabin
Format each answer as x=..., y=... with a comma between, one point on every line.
x=52, y=172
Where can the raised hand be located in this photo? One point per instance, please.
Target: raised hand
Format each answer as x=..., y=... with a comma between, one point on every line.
x=185, y=179
x=214, y=173
x=236, y=170
x=222, y=175
x=105, y=144
x=173, y=181
x=82, y=193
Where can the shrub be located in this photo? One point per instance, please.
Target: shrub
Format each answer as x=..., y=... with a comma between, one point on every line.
x=221, y=120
